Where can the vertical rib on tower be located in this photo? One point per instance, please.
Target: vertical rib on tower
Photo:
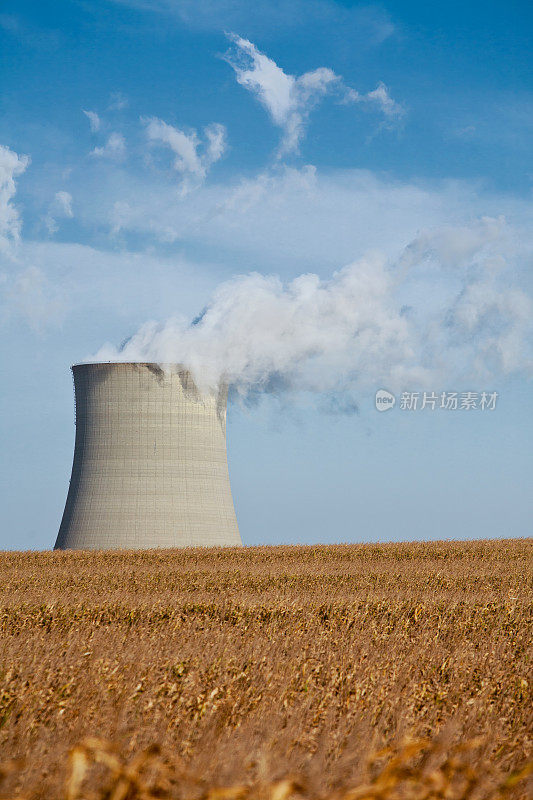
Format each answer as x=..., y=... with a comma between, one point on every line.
x=150, y=466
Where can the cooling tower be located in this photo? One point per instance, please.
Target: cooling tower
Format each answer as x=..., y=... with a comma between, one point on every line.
x=150, y=466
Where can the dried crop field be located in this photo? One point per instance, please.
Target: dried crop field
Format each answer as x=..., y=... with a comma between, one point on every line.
x=274, y=672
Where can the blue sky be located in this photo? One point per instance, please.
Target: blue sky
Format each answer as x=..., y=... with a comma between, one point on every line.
x=155, y=149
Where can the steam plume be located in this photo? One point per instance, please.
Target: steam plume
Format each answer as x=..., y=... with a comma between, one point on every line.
x=442, y=309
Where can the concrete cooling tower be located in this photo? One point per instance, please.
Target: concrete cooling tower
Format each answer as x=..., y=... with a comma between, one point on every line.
x=150, y=466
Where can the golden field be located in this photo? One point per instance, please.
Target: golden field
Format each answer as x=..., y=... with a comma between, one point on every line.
x=349, y=672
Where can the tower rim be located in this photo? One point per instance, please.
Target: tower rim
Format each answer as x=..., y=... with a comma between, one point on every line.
x=161, y=364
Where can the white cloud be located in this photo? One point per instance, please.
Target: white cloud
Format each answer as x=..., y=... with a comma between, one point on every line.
x=24, y=289
x=320, y=219
x=114, y=148
x=184, y=146
x=94, y=120
x=60, y=207
x=192, y=155
x=32, y=296
x=117, y=101
x=379, y=98
x=52, y=284
x=64, y=203
x=216, y=143
x=11, y=166
x=289, y=99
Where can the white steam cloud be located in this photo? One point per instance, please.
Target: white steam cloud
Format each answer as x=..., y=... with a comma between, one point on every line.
x=442, y=310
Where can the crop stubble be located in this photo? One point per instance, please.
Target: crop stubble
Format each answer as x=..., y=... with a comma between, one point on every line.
x=247, y=666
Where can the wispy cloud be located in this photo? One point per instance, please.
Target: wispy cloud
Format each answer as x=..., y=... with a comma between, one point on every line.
x=193, y=155
x=24, y=289
x=117, y=101
x=114, y=148
x=31, y=295
x=60, y=207
x=321, y=218
x=379, y=98
x=64, y=203
x=11, y=167
x=289, y=99
x=365, y=25
x=94, y=120
x=51, y=282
